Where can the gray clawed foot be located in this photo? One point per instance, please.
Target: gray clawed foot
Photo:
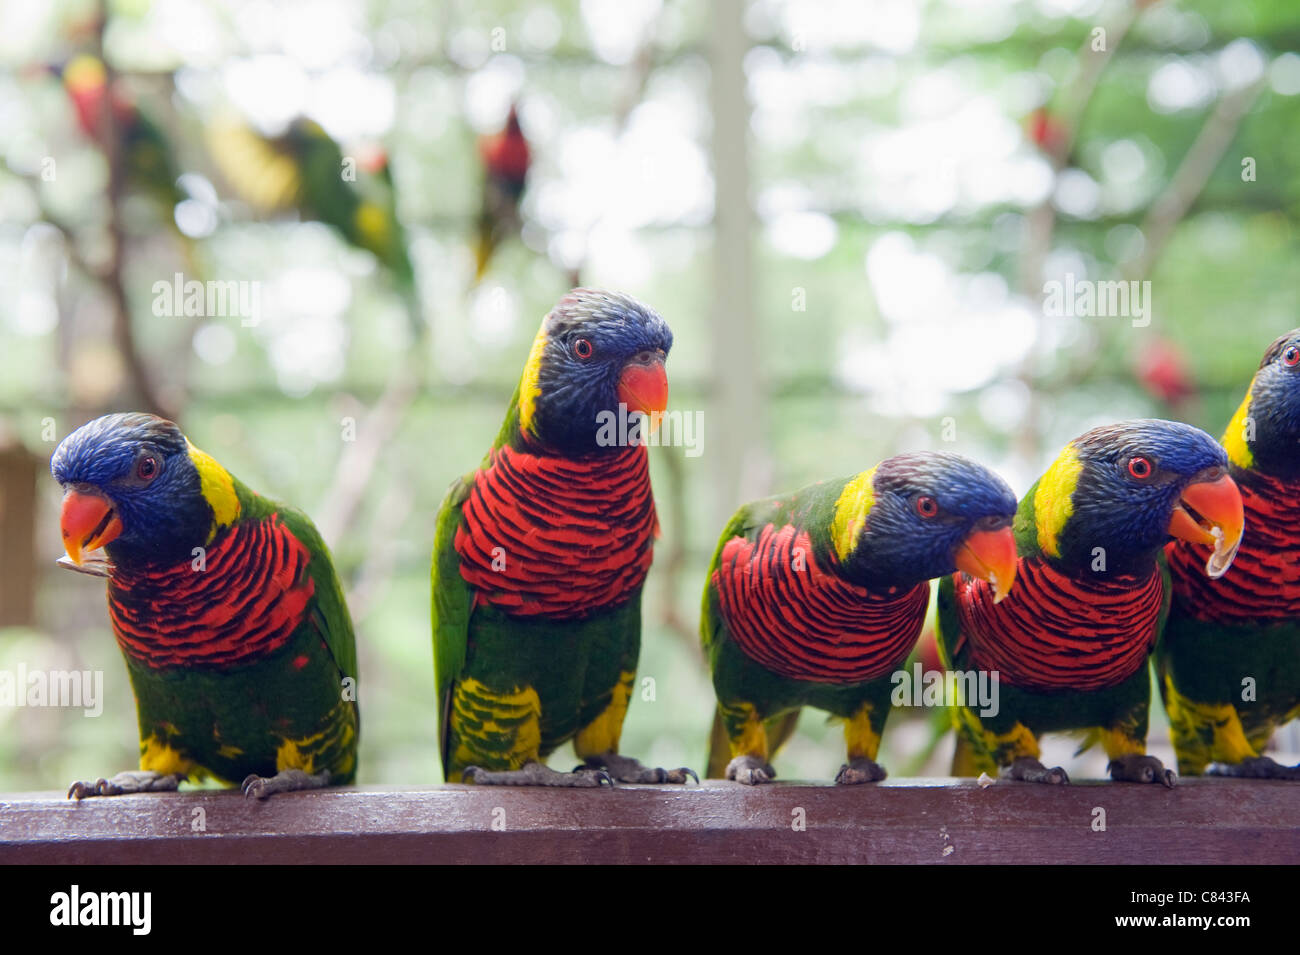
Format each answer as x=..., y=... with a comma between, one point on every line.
x=538, y=774
x=131, y=781
x=1258, y=767
x=1029, y=770
x=750, y=770
x=625, y=769
x=285, y=781
x=1137, y=768
x=860, y=770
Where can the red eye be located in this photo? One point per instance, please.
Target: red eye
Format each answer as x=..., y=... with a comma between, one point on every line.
x=147, y=469
x=1140, y=468
x=582, y=348
x=1292, y=355
x=927, y=507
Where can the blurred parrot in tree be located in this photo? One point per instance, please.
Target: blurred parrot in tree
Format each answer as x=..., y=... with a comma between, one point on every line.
x=1071, y=643
x=227, y=610
x=304, y=170
x=1229, y=658
x=505, y=157
x=148, y=159
x=816, y=598
x=1162, y=371
x=1048, y=133
x=542, y=552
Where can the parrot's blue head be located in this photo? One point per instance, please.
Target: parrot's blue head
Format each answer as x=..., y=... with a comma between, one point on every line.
x=1265, y=434
x=923, y=515
x=1116, y=494
x=598, y=356
x=136, y=487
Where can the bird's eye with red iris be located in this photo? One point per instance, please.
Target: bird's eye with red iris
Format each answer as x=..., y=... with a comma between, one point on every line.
x=927, y=506
x=1291, y=356
x=147, y=468
x=582, y=348
x=1140, y=468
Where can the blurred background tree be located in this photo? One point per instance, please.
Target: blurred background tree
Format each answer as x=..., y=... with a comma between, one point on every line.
x=848, y=212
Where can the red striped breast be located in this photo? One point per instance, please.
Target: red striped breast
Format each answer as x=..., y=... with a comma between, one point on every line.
x=555, y=537
x=803, y=622
x=1263, y=582
x=1060, y=631
x=244, y=605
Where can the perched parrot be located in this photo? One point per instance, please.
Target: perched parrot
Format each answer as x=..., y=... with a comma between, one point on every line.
x=815, y=598
x=1070, y=645
x=1229, y=659
x=541, y=554
x=505, y=159
x=226, y=607
x=304, y=170
x=149, y=161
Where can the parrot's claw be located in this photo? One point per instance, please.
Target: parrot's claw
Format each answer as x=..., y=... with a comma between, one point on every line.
x=860, y=770
x=750, y=770
x=1029, y=770
x=1258, y=767
x=538, y=774
x=285, y=781
x=625, y=769
x=1137, y=768
x=131, y=781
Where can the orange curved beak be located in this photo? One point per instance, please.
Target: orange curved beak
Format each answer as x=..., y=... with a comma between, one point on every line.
x=643, y=385
x=1222, y=520
x=88, y=522
x=991, y=556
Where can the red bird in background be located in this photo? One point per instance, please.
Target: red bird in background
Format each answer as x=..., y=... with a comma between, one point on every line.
x=1047, y=132
x=1163, y=373
x=506, y=159
x=148, y=157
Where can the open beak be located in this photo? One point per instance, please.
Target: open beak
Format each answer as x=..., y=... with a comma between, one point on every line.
x=991, y=556
x=643, y=385
x=1216, y=519
x=88, y=521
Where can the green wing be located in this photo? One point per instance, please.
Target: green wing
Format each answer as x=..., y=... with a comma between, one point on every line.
x=452, y=602
x=710, y=619
x=329, y=609
x=947, y=631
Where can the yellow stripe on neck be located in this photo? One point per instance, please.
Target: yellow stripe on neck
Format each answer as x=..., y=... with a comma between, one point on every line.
x=218, y=489
x=1235, y=439
x=1054, y=502
x=851, y=510
x=529, y=388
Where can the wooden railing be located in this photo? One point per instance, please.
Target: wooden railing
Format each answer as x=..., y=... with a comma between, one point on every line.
x=1209, y=821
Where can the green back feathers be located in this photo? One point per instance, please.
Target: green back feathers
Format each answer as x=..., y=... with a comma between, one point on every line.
x=452, y=605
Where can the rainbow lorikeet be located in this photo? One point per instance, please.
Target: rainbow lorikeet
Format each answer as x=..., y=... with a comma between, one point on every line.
x=815, y=598
x=227, y=610
x=1070, y=645
x=149, y=161
x=1229, y=656
x=304, y=170
x=505, y=157
x=541, y=554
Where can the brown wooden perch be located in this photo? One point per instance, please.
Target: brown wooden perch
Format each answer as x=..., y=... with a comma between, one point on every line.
x=1206, y=821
